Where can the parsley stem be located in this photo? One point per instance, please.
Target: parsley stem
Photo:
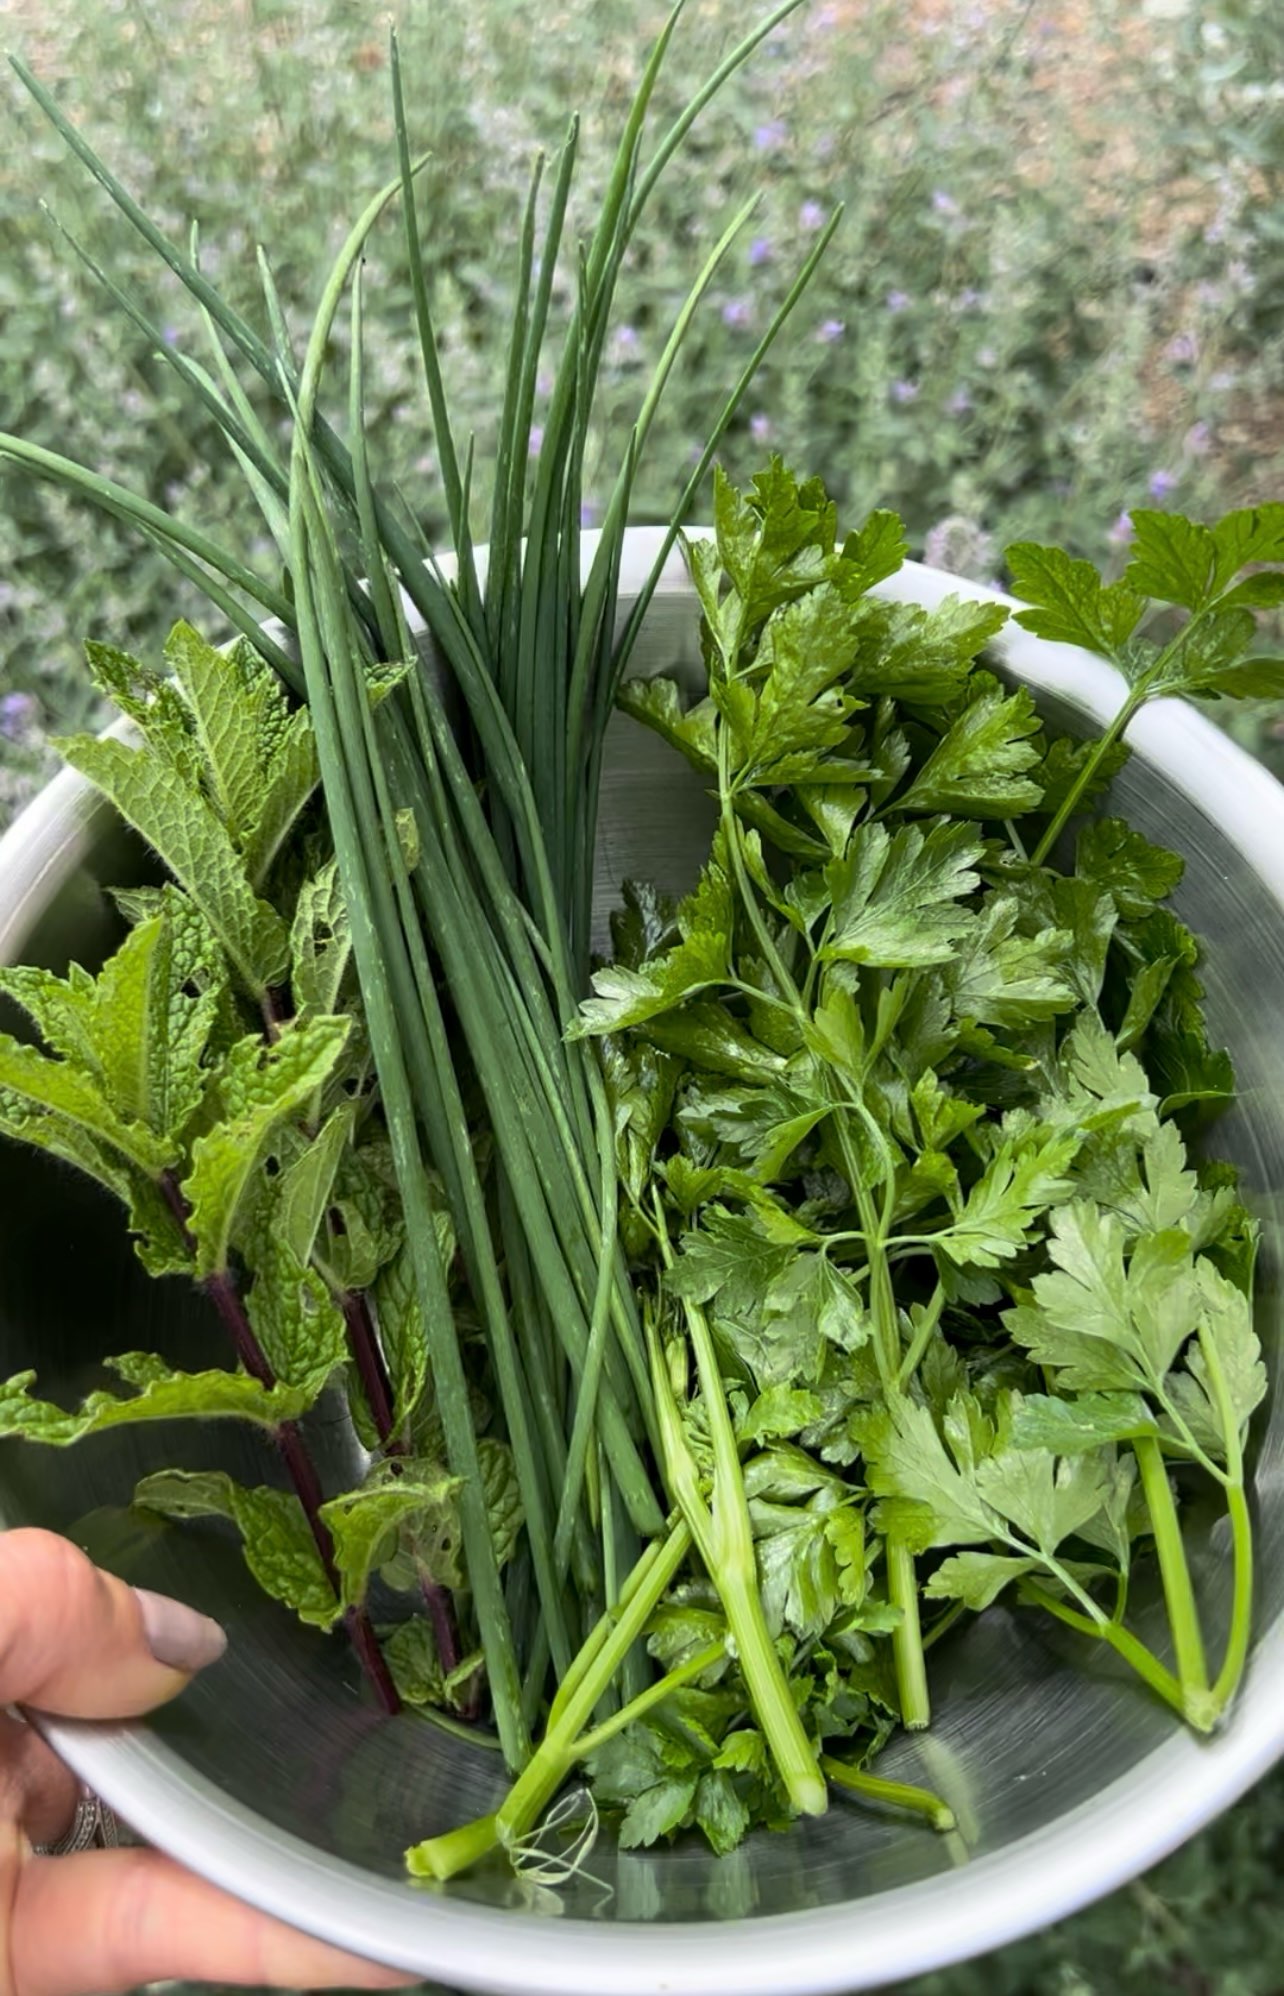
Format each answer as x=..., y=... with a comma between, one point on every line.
x=896, y=1794
x=1179, y=1595
x=1241, y=1527
x=682, y=1673
x=907, y=1636
x=922, y=1337
x=734, y=1572
x=1100, y=749
x=1147, y=1666
x=594, y=1670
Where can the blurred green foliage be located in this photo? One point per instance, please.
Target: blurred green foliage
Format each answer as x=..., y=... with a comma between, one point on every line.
x=1048, y=299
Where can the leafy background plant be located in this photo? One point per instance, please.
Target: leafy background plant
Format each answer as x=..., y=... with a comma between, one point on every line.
x=1054, y=296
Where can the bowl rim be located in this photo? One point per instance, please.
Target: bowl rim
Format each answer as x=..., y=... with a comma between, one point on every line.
x=909, y=1930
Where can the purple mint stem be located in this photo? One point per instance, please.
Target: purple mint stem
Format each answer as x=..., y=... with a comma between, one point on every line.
x=445, y=1634
x=372, y=1369
x=274, y=1005
x=373, y=1372
x=366, y=1644
x=223, y=1293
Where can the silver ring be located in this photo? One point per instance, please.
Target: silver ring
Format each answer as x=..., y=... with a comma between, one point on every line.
x=93, y=1827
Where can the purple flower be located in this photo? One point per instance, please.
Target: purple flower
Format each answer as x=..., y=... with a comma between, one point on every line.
x=1198, y=440
x=811, y=216
x=1182, y=349
x=760, y=250
x=958, y=545
x=830, y=330
x=943, y=203
x=904, y=391
x=959, y=403
x=1225, y=378
x=1161, y=483
x=737, y=313
x=771, y=135
x=543, y=384
x=536, y=443
x=969, y=298
x=170, y=336
x=759, y=427
x=19, y=713
x=897, y=301
x=588, y=513
x=1120, y=535
x=626, y=339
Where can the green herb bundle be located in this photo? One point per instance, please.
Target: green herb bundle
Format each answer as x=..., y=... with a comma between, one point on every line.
x=690, y=1312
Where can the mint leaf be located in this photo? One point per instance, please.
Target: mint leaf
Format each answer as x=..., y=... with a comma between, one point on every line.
x=292, y=1313
x=414, y=1498
x=161, y=1395
x=259, y=1088
x=320, y=944
x=401, y=1332
x=259, y=759
x=139, y=1029
x=503, y=1497
x=34, y=1087
x=276, y=1538
x=411, y=1656
x=184, y=828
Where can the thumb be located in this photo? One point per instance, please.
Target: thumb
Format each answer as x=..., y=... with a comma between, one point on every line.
x=80, y=1644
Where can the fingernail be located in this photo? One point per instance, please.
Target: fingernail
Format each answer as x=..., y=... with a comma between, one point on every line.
x=176, y=1635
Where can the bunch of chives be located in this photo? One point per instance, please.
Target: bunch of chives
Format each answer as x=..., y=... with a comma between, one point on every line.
x=466, y=863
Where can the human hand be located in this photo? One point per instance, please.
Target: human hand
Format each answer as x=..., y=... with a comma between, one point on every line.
x=77, y=1643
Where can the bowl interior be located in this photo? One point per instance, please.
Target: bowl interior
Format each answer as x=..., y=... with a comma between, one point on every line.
x=1028, y=1727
